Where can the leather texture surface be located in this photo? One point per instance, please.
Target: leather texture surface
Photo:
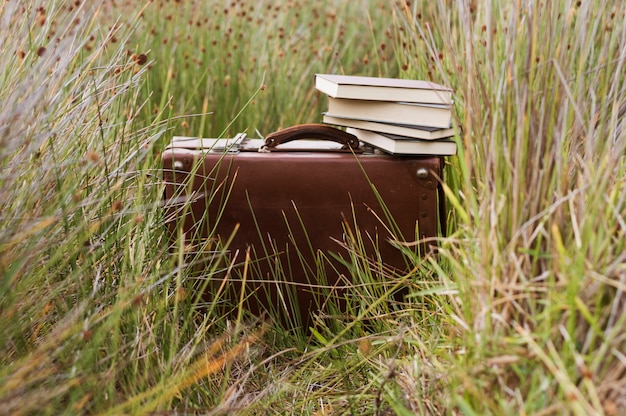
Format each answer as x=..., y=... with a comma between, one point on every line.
x=295, y=213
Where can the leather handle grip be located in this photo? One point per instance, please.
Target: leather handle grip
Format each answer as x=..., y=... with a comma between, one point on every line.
x=311, y=131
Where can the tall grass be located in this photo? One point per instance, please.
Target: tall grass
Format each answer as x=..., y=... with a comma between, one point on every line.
x=210, y=57
x=537, y=254
x=88, y=295
x=522, y=312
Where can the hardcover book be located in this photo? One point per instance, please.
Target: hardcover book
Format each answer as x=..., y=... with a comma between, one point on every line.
x=407, y=130
x=429, y=115
x=382, y=89
x=403, y=145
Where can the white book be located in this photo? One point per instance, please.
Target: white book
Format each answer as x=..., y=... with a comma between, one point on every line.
x=408, y=130
x=403, y=145
x=430, y=115
x=382, y=89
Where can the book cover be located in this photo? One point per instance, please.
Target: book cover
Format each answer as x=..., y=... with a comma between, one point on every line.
x=429, y=115
x=382, y=89
x=442, y=147
x=407, y=130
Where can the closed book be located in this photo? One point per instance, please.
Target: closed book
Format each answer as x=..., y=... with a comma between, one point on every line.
x=429, y=115
x=403, y=145
x=408, y=130
x=382, y=89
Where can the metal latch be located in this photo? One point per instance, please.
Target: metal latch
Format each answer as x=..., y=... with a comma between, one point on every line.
x=227, y=145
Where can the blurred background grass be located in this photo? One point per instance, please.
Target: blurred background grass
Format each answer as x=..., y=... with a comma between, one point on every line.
x=521, y=314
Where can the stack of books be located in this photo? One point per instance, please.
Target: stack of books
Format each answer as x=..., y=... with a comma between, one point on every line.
x=396, y=115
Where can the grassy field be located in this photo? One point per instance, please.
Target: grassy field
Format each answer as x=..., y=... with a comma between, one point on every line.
x=521, y=313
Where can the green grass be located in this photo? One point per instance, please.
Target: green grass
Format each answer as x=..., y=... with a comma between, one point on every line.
x=521, y=313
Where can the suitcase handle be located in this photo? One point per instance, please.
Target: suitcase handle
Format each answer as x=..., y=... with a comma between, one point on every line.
x=310, y=131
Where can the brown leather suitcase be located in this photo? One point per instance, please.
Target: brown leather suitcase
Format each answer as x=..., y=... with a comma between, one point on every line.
x=287, y=211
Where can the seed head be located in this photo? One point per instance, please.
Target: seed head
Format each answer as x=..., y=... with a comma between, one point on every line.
x=93, y=156
x=140, y=59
